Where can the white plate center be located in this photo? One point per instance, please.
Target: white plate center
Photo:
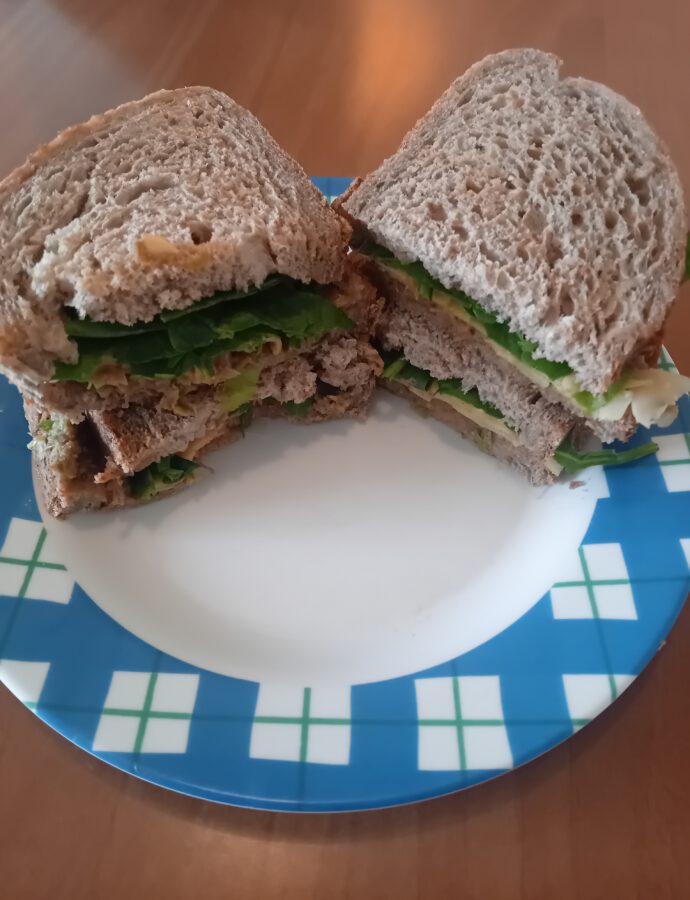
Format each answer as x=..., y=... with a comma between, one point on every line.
x=338, y=553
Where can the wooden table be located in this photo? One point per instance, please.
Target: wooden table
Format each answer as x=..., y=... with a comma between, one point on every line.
x=606, y=814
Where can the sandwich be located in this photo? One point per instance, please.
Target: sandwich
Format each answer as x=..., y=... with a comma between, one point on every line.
x=529, y=238
x=168, y=272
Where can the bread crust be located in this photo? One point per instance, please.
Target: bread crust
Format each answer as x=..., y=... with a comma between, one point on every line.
x=147, y=207
x=549, y=200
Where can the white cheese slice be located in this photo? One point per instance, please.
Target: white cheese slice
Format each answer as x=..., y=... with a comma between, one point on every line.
x=450, y=305
x=652, y=394
x=483, y=419
x=478, y=416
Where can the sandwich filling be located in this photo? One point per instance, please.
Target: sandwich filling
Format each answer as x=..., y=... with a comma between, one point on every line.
x=651, y=394
x=160, y=394
x=161, y=477
x=283, y=340
x=470, y=404
x=139, y=452
x=279, y=314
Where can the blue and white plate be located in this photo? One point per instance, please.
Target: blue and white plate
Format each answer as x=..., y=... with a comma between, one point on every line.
x=342, y=617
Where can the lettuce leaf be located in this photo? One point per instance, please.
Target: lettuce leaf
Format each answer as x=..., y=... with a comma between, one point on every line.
x=453, y=387
x=84, y=369
x=393, y=368
x=592, y=402
x=499, y=332
x=425, y=283
x=203, y=358
x=418, y=378
x=574, y=460
x=296, y=409
x=166, y=348
x=160, y=476
x=296, y=315
x=191, y=333
x=399, y=369
x=88, y=328
x=221, y=296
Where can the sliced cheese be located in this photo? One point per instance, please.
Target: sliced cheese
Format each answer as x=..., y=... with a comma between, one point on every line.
x=450, y=305
x=652, y=393
x=478, y=416
x=483, y=419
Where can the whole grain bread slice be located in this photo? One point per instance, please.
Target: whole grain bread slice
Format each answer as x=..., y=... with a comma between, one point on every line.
x=549, y=200
x=147, y=207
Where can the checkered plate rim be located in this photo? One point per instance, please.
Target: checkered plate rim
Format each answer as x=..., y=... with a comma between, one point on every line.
x=392, y=742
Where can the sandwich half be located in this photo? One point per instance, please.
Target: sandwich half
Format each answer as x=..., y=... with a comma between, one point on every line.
x=529, y=239
x=128, y=455
x=166, y=269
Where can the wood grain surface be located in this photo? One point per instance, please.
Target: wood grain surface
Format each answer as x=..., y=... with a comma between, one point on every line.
x=338, y=84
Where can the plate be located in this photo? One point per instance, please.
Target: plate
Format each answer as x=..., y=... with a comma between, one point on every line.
x=343, y=617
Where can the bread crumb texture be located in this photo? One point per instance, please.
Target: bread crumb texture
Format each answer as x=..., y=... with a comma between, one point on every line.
x=152, y=206
x=551, y=201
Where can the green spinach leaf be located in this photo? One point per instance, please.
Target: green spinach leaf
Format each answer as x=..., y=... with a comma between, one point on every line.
x=499, y=332
x=160, y=476
x=574, y=460
x=172, y=347
x=299, y=409
x=399, y=369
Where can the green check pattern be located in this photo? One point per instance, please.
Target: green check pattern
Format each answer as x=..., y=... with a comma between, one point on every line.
x=461, y=724
x=666, y=363
x=291, y=724
x=598, y=586
x=103, y=687
x=147, y=712
x=27, y=567
x=588, y=695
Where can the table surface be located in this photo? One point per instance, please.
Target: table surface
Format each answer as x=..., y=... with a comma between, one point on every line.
x=338, y=84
